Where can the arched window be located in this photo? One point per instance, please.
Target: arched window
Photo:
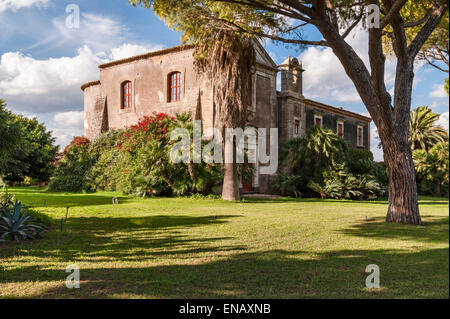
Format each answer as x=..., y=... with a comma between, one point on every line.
x=174, y=87
x=127, y=90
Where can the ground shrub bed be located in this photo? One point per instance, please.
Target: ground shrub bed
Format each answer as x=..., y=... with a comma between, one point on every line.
x=135, y=161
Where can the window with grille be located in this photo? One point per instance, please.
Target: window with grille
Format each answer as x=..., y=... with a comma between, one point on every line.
x=127, y=94
x=340, y=129
x=318, y=120
x=250, y=91
x=296, y=127
x=174, y=87
x=360, y=136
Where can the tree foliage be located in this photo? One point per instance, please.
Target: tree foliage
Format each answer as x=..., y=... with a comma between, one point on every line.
x=435, y=51
x=11, y=138
x=38, y=151
x=432, y=169
x=423, y=131
x=27, y=149
x=323, y=164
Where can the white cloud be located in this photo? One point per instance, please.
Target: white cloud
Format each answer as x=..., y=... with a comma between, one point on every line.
x=127, y=50
x=374, y=142
x=98, y=32
x=15, y=5
x=325, y=78
x=50, y=85
x=53, y=85
x=70, y=119
x=65, y=135
x=444, y=120
x=438, y=91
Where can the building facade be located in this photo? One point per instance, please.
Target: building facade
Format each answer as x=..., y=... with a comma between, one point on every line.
x=167, y=81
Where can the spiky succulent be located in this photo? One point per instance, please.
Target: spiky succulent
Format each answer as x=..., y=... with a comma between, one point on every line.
x=15, y=223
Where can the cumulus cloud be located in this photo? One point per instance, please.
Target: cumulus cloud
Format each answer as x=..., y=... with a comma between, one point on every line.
x=444, y=120
x=70, y=119
x=32, y=85
x=438, y=91
x=325, y=78
x=65, y=135
x=127, y=50
x=15, y=5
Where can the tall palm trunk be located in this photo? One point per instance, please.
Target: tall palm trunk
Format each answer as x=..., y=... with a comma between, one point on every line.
x=228, y=61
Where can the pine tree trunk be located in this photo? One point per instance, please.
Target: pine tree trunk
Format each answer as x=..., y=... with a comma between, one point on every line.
x=403, y=199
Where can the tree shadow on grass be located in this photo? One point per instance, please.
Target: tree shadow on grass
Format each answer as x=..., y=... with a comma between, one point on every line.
x=265, y=274
x=62, y=200
x=443, y=201
x=436, y=230
x=124, y=239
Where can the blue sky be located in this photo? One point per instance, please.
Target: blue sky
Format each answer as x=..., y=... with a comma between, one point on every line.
x=43, y=63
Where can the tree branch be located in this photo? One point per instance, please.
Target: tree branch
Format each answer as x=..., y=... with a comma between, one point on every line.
x=395, y=9
x=437, y=13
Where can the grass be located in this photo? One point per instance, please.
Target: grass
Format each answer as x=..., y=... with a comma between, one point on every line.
x=185, y=248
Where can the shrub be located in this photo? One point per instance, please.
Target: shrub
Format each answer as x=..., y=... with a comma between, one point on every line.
x=136, y=161
x=287, y=185
x=323, y=164
x=339, y=183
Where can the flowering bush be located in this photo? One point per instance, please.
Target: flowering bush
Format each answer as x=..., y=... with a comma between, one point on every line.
x=78, y=148
x=72, y=171
x=135, y=160
x=149, y=129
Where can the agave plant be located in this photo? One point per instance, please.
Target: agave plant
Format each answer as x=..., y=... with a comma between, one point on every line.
x=15, y=223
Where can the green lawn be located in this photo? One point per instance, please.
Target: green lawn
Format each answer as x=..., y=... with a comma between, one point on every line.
x=186, y=248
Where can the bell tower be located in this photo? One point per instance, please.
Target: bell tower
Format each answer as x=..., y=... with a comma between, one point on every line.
x=292, y=77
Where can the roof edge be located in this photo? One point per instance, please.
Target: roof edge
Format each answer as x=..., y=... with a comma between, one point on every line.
x=88, y=84
x=146, y=55
x=339, y=111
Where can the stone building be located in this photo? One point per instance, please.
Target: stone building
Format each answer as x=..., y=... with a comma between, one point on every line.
x=166, y=81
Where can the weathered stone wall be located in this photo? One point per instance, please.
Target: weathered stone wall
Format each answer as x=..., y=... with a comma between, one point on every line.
x=350, y=125
x=150, y=88
x=264, y=114
x=95, y=112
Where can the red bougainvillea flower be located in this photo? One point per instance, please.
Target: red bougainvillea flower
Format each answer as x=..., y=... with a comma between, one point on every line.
x=153, y=127
x=77, y=142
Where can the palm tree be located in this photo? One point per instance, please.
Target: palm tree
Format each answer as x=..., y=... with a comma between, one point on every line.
x=323, y=143
x=423, y=132
x=227, y=58
x=319, y=146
